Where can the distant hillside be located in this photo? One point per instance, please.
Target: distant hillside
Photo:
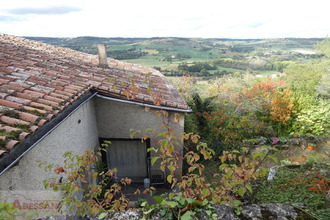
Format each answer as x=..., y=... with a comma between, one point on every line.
x=88, y=44
x=199, y=56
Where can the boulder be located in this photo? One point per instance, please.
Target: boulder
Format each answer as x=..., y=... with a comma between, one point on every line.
x=261, y=140
x=224, y=212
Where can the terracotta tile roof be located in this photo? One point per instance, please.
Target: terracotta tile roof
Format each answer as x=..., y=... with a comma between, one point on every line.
x=37, y=81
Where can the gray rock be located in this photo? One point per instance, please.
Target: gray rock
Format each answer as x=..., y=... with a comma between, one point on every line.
x=262, y=140
x=224, y=212
x=126, y=215
x=274, y=211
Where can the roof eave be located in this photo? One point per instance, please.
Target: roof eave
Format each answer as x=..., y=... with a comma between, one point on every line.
x=144, y=104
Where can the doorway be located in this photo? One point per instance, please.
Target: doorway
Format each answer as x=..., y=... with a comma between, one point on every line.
x=129, y=156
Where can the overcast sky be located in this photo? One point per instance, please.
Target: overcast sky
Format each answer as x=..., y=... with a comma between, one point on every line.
x=166, y=18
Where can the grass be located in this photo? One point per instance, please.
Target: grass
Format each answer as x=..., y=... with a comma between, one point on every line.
x=152, y=61
x=267, y=72
x=295, y=186
x=119, y=47
x=23, y=127
x=307, y=184
x=150, y=51
x=148, y=61
x=232, y=70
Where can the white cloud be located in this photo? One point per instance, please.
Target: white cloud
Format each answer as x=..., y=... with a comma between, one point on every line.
x=181, y=18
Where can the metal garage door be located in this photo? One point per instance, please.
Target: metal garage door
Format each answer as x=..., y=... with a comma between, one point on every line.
x=129, y=157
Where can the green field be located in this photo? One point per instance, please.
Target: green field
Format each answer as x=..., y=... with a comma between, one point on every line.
x=168, y=54
x=267, y=72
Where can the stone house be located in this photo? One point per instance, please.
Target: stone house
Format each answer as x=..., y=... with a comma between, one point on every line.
x=54, y=100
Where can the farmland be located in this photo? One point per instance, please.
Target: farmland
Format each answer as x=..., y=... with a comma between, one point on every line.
x=176, y=56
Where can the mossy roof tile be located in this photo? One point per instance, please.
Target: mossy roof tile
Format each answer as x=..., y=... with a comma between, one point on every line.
x=39, y=80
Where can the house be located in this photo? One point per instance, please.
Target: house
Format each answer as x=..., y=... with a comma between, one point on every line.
x=54, y=100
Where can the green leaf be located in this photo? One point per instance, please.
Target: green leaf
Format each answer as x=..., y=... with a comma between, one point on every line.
x=273, y=157
x=158, y=199
x=67, y=154
x=190, y=200
x=229, y=173
x=144, y=204
x=237, y=210
x=196, y=202
x=205, y=202
x=187, y=215
x=148, y=212
x=149, y=129
x=169, y=178
x=263, y=171
x=169, y=216
x=188, y=158
x=170, y=148
x=161, y=135
x=171, y=168
x=153, y=160
x=222, y=166
x=256, y=154
x=237, y=203
x=151, y=149
x=163, y=212
x=55, y=188
x=241, y=191
x=170, y=204
x=249, y=188
x=238, y=183
x=103, y=215
x=205, y=192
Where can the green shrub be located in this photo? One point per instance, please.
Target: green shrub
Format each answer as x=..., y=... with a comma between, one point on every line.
x=293, y=186
x=313, y=120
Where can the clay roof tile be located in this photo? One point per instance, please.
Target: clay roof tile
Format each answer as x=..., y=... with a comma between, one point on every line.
x=39, y=80
x=41, y=106
x=10, y=103
x=11, y=144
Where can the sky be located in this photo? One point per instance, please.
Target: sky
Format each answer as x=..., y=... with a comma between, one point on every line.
x=242, y=19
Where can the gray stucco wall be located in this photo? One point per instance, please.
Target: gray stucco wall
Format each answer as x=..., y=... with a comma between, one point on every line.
x=26, y=178
x=115, y=119
x=96, y=118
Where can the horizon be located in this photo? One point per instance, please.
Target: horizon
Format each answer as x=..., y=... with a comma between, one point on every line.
x=218, y=38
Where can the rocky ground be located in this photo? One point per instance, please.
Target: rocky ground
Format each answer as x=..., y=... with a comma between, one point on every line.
x=223, y=212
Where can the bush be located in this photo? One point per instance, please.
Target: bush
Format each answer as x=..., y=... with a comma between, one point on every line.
x=314, y=119
x=294, y=186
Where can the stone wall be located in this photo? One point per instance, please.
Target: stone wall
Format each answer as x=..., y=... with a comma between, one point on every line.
x=263, y=211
